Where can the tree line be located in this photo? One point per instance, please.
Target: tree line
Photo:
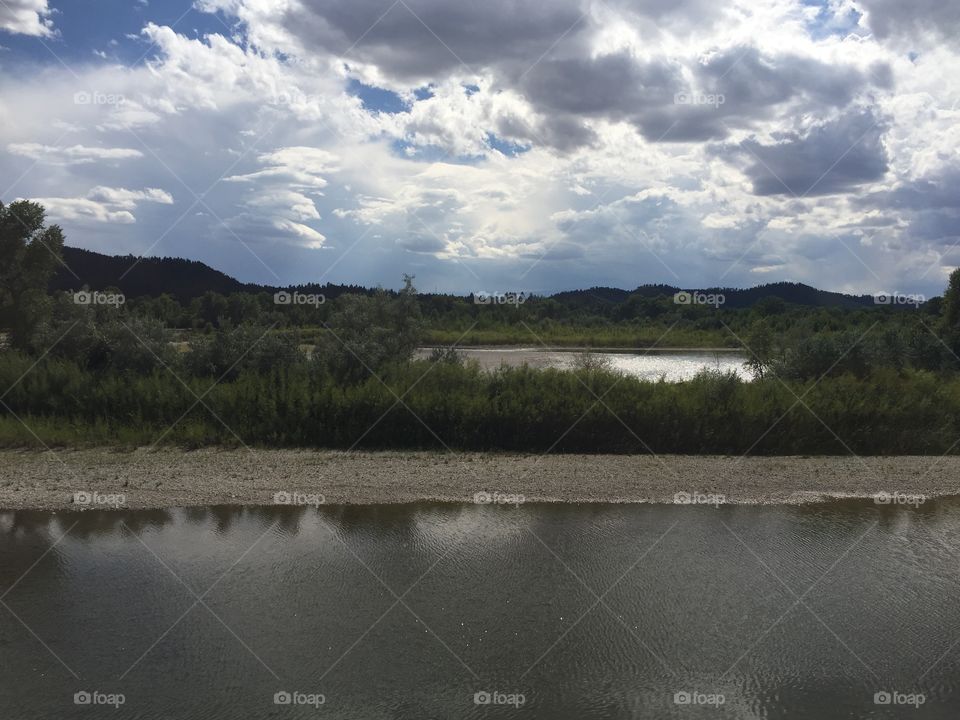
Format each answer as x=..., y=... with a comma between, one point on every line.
x=343, y=372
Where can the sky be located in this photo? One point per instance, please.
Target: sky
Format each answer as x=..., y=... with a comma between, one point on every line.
x=508, y=145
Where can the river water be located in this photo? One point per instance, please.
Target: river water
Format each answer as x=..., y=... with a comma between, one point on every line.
x=530, y=611
x=672, y=365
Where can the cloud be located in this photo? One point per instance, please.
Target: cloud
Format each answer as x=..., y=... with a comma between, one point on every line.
x=72, y=155
x=831, y=157
x=422, y=39
x=103, y=205
x=26, y=17
x=573, y=65
x=121, y=197
x=300, y=167
x=918, y=19
x=671, y=102
x=615, y=86
x=278, y=202
x=258, y=229
x=585, y=144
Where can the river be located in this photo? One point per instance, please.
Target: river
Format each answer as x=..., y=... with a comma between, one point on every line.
x=474, y=611
x=672, y=365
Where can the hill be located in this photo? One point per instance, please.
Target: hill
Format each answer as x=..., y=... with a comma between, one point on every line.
x=155, y=276
x=187, y=279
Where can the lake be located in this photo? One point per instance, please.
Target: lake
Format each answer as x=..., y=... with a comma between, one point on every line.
x=841, y=610
x=674, y=365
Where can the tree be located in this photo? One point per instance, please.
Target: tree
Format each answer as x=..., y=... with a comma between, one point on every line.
x=951, y=301
x=29, y=255
x=367, y=333
x=761, y=346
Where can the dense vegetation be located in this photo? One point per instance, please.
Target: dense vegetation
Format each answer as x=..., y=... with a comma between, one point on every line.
x=239, y=368
x=449, y=405
x=189, y=295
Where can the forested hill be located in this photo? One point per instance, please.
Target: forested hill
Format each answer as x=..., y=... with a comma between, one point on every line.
x=147, y=276
x=188, y=279
x=794, y=293
x=154, y=276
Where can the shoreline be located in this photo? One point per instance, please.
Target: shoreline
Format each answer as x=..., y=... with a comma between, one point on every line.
x=167, y=478
x=618, y=349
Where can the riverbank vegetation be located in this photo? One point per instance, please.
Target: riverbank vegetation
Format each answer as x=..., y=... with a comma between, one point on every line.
x=445, y=405
x=247, y=369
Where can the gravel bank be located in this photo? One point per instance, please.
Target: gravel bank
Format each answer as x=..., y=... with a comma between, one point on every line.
x=173, y=478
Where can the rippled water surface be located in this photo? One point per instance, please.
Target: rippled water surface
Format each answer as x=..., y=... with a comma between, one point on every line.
x=673, y=365
x=411, y=611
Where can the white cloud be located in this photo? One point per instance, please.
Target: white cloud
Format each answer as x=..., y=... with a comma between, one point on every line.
x=26, y=17
x=121, y=197
x=71, y=155
x=300, y=167
x=103, y=205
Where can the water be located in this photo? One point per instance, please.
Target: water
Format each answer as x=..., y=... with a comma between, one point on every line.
x=674, y=365
x=410, y=611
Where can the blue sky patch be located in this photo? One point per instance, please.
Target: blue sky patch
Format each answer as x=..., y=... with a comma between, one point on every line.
x=423, y=93
x=505, y=146
x=377, y=99
x=86, y=28
x=827, y=22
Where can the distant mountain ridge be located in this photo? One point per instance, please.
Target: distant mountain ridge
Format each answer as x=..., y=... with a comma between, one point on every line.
x=795, y=293
x=187, y=279
x=155, y=276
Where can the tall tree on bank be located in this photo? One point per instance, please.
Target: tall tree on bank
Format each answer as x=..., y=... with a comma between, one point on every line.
x=29, y=255
x=951, y=301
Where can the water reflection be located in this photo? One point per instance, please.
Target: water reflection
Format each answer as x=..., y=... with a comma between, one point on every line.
x=592, y=611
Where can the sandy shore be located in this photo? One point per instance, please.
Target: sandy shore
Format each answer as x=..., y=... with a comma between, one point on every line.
x=173, y=478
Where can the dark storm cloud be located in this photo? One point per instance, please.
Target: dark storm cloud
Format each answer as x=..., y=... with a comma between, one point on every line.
x=748, y=79
x=433, y=36
x=920, y=194
x=685, y=12
x=930, y=205
x=831, y=158
x=542, y=51
x=614, y=86
x=739, y=86
x=424, y=38
x=912, y=19
x=733, y=88
x=561, y=132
